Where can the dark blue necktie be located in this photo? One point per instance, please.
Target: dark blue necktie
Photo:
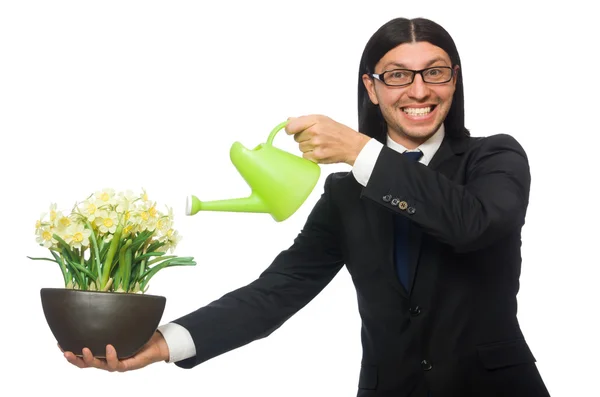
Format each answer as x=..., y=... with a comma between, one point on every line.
x=401, y=248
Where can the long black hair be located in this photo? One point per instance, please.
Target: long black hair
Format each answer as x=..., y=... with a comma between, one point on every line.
x=390, y=35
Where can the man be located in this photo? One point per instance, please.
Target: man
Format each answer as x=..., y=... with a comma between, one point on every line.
x=428, y=224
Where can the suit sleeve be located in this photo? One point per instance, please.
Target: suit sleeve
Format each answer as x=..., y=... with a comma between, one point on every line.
x=293, y=279
x=489, y=205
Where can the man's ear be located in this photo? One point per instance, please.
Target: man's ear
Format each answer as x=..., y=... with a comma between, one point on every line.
x=370, y=86
x=455, y=78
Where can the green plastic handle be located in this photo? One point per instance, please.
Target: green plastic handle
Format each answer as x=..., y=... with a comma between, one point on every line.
x=275, y=131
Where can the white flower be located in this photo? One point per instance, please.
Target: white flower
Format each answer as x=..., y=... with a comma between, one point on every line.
x=107, y=221
x=44, y=236
x=164, y=223
x=52, y=214
x=144, y=196
x=62, y=222
x=89, y=209
x=172, y=238
x=40, y=221
x=125, y=202
x=105, y=197
x=78, y=236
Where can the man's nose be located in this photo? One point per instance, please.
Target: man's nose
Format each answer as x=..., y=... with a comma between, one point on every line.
x=418, y=89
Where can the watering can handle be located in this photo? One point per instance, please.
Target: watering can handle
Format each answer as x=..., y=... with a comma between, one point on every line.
x=275, y=131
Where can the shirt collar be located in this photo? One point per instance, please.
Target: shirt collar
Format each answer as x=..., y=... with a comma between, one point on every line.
x=429, y=147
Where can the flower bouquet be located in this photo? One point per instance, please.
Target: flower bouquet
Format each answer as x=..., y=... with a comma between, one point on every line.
x=108, y=247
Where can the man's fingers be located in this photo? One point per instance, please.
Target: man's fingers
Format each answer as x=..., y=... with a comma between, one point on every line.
x=303, y=136
x=112, y=362
x=299, y=124
x=91, y=361
x=306, y=146
x=76, y=361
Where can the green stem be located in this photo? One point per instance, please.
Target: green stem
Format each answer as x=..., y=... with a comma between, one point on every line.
x=128, y=260
x=114, y=244
x=143, y=260
x=125, y=265
x=96, y=251
x=82, y=265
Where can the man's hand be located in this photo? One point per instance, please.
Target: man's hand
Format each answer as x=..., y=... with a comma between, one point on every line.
x=324, y=140
x=155, y=350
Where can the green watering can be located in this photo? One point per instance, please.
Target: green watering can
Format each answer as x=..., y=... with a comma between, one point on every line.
x=280, y=181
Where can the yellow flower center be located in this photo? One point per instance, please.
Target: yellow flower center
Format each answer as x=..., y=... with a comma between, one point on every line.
x=104, y=196
x=78, y=237
x=64, y=221
x=170, y=233
x=52, y=215
x=108, y=222
x=145, y=215
x=38, y=224
x=127, y=215
x=47, y=236
x=91, y=208
x=152, y=211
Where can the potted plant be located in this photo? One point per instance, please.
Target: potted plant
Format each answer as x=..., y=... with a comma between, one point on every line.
x=108, y=247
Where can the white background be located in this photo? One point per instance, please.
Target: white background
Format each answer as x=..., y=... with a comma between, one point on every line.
x=152, y=94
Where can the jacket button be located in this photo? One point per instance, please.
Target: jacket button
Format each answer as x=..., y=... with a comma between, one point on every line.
x=415, y=311
x=387, y=198
x=395, y=202
x=426, y=365
x=411, y=210
x=402, y=205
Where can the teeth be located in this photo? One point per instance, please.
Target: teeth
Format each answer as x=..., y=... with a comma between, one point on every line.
x=417, y=111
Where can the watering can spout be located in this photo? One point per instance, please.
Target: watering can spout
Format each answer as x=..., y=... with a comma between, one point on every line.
x=280, y=181
x=252, y=203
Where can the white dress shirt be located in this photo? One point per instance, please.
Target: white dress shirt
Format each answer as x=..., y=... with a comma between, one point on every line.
x=365, y=161
x=180, y=342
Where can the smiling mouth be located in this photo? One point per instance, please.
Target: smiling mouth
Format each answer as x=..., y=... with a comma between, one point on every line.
x=418, y=111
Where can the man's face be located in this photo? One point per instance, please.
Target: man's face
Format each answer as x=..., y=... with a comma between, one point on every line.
x=413, y=112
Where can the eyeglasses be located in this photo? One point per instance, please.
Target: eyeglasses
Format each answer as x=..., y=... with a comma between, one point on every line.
x=400, y=77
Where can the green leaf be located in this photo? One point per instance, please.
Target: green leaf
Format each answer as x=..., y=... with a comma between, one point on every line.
x=159, y=259
x=184, y=261
x=43, y=259
x=66, y=248
x=155, y=246
x=75, y=272
x=141, y=238
x=82, y=269
x=62, y=265
x=103, y=250
x=148, y=255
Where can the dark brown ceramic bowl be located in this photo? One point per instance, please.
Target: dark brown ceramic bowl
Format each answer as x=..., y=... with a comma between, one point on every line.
x=94, y=319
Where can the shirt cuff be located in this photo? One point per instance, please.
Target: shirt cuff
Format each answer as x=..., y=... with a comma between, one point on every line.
x=180, y=342
x=365, y=161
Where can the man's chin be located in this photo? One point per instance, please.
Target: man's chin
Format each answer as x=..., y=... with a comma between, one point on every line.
x=420, y=134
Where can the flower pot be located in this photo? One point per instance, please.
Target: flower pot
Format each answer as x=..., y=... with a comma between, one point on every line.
x=94, y=319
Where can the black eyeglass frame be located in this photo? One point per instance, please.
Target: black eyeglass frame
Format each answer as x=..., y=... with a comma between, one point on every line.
x=381, y=76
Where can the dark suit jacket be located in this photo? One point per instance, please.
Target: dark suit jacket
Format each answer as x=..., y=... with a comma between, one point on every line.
x=456, y=333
